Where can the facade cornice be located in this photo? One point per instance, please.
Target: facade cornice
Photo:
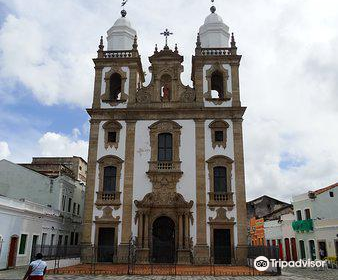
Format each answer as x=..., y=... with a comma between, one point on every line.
x=165, y=114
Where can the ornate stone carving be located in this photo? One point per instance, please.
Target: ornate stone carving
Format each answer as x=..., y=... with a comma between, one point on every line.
x=188, y=95
x=221, y=217
x=162, y=200
x=107, y=216
x=143, y=96
x=111, y=126
x=218, y=125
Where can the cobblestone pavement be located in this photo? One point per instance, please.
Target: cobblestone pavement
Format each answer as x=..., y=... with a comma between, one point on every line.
x=288, y=274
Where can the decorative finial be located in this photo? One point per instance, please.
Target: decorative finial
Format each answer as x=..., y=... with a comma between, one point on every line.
x=101, y=46
x=213, y=8
x=156, y=49
x=166, y=34
x=135, y=43
x=176, y=49
x=124, y=12
x=198, y=42
x=233, y=42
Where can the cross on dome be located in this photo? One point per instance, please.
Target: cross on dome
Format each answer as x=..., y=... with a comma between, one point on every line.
x=123, y=12
x=166, y=34
x=213, y=8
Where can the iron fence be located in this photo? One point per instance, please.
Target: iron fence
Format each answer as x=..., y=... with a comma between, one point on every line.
x=51, y=252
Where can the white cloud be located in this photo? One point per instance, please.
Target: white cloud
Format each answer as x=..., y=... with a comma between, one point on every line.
x=288, y=73
x=4, y=150
x=54, y=144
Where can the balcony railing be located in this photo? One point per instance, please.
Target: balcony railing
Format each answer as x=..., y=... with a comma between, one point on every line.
x=303, y=225
x=164, y=166
x=216, y=51
x=221, y=199
x=108, y=198
x=117, y=54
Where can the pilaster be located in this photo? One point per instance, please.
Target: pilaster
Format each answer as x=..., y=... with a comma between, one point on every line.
x=201, y=249
x=97, y=87
x=236, y=99
x=90, y=192
x=127, y=192
x=240, y=192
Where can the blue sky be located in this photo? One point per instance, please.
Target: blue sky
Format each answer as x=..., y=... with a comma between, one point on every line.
x=288, y=75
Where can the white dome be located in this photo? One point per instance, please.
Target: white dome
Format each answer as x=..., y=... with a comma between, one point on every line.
x=121, y=35
x=214, y=33
x=122, y=21
x=213, y=18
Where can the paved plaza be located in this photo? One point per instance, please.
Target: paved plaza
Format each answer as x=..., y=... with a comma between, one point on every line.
x=289, y=274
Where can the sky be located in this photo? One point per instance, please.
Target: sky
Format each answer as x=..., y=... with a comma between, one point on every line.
x=288, y=79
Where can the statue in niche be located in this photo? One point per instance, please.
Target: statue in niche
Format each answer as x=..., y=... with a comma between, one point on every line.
x=166, y=84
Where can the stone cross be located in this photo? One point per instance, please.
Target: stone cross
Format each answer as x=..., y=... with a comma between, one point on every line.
x=166, y=33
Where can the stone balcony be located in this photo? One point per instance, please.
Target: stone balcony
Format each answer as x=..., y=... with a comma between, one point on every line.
x=221, y=199
x=108, y=199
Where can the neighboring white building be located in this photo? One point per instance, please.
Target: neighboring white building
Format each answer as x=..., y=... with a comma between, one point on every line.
x=279, y=232
x=316, y=224
x=37, y=210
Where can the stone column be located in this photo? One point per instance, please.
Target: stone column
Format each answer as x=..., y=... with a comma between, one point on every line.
x=86, y=242
x=240, y=192
x=140, y=230
x=132, y=84
x=186, y=224
x=236, y=101
x=180, y=231
x=146, y=230
x=97, y=87
x=127, y=192
x=201, y=249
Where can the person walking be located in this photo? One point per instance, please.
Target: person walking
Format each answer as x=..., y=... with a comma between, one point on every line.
x=37, y=269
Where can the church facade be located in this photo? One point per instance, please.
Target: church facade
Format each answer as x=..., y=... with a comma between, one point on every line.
x=165, y=163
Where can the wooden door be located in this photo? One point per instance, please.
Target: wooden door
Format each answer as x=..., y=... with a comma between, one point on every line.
x=13, y=247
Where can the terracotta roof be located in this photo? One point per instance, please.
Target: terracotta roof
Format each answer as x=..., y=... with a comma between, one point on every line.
x=319, y=191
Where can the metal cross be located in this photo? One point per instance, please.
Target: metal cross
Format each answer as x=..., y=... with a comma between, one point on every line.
x=166, y=33
x=124, y=2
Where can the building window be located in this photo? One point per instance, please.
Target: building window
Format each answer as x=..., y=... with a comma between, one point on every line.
x=299, y=215
x=72, y=238
x=166, y=87
x=331, y=194
x=66, y=240
x=60, y=240
x=217, y=85
x=217, y=77
x=63, y=202
x=220, y=168
x=220, y=179
x=109, y=180
x=165, y=147
x=74, y=207
x=115, y=85
x=43, y=239
x=52, y=239
x=111, y=134
x=78, y=209
x=218, y=133
x=76, y=241
x=69, y=204
x=218, y=136
x=23, y=242
x=307, y=214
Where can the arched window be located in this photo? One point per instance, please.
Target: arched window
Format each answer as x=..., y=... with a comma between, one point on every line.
x=165, y=147
x=109, y=179
x=115, y=86
x=217, y=84
x=220, y=179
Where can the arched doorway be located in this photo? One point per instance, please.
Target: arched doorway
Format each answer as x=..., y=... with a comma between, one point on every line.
x=163, y=238
x=13, y=246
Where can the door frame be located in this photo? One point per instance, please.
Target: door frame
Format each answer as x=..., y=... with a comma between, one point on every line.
x=15, y=250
